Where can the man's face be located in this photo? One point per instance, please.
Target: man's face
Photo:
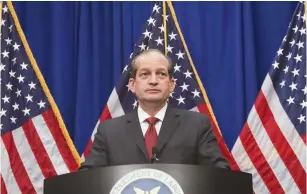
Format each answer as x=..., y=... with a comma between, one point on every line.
x=152, y=82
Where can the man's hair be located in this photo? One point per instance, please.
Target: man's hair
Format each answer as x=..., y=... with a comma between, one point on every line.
x=134, y=68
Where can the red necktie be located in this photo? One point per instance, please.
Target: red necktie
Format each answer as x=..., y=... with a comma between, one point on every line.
x=151, y=136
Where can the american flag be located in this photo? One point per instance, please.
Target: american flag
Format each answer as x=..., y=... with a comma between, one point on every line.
x=34, y=142
x=272, y=143
x=188, y=93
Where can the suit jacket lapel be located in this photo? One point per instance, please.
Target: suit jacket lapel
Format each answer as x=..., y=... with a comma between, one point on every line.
x=169, y=125
x=135, y=130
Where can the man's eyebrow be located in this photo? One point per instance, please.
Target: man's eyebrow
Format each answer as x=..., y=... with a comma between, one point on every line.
x=159, y=69
x=143, y=69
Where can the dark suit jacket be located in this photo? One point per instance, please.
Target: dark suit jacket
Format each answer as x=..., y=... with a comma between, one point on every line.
x=185, y=138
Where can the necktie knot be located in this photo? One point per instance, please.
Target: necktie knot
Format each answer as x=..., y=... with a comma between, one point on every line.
x=152, y=120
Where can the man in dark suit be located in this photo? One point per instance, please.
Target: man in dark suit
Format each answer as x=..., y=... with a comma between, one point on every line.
x=177, y=136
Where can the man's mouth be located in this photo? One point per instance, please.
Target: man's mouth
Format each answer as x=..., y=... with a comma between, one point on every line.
x=152, y=90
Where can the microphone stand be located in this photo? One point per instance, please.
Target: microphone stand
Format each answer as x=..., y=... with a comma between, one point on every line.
x=154, y=158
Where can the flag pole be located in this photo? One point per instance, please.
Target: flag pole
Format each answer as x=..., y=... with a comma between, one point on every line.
x=305, y=6
x=164, y=24
x=1, y=2
x=1, y=14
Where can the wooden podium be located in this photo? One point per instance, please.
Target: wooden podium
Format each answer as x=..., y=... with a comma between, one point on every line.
x=151, y=179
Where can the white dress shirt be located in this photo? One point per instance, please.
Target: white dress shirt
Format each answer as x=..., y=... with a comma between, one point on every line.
x=143, y=116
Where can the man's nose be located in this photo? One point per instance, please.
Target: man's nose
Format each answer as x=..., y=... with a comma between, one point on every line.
x=153, y=79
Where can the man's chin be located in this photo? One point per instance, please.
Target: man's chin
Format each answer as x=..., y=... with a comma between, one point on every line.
x=154, y=100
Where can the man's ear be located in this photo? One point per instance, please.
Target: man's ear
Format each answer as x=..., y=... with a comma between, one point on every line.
x=131, y=84
x=172, y=82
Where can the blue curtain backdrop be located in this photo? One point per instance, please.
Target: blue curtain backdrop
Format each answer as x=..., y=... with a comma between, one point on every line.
x=82, y=47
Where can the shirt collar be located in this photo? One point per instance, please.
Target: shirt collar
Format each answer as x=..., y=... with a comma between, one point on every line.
x=143, y=115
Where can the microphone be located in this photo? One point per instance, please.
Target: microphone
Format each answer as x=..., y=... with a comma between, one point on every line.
x=154, y=158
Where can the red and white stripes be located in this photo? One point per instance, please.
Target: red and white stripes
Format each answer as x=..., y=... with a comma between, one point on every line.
x=33, y=152
x=270, y=148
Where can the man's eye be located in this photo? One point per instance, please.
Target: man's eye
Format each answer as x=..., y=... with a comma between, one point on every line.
x=143, y=74
x=162, y=73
